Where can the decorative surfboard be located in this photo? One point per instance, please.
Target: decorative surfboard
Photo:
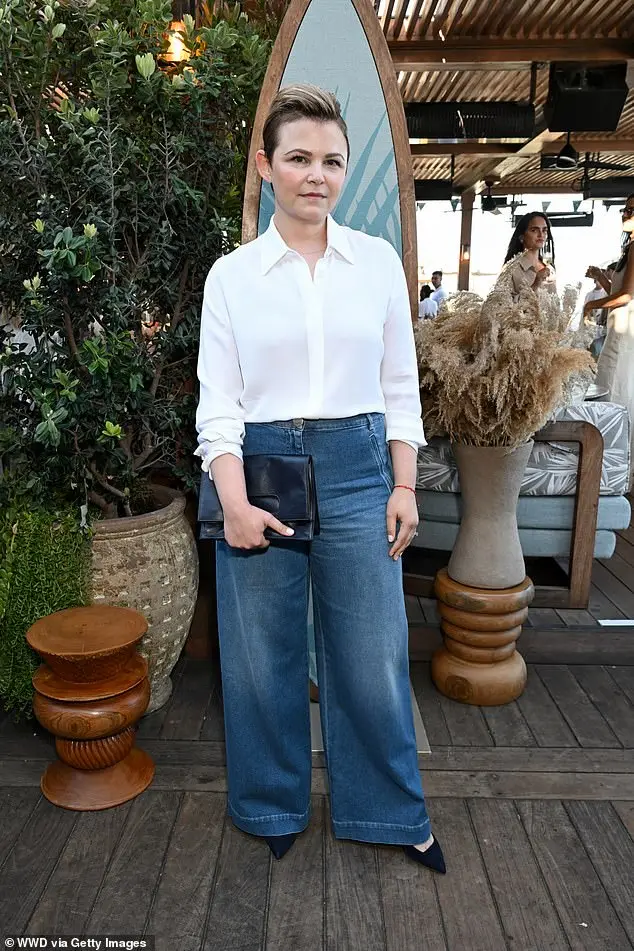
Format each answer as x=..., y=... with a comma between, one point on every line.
x=339, y=45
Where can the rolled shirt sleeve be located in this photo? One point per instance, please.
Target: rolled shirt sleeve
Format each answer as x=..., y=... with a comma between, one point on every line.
x=399, y=369
x=220, y=416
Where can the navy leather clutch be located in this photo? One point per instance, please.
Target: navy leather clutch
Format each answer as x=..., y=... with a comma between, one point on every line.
x=281, y=485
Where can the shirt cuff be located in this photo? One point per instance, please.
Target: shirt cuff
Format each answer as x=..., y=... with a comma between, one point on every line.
x=208, y=452
x=405, y=427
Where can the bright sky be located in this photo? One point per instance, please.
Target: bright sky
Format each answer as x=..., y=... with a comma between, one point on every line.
x=438, y=228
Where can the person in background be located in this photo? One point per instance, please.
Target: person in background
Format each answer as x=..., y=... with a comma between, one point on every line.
x=615, y=369
x=596, y=316
x=439, y=294
x=427, y=308
x=531, y=240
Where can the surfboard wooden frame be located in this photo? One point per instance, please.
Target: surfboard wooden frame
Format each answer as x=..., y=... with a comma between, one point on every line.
x=396, y=116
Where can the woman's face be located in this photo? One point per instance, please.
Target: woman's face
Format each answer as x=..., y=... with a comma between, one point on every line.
x=307, y=170
x=628, y=215
x=536, y=235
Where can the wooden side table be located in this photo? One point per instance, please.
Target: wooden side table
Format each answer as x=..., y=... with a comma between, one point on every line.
x=90, y=692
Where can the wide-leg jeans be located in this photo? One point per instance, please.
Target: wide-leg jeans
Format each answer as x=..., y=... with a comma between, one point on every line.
x=362, y=650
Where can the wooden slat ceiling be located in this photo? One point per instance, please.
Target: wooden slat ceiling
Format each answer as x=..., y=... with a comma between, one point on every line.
x=504, y=20
x=534, y=19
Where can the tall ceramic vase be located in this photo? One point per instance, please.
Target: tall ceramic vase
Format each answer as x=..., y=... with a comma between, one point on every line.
x=488, y=553
x=483, y=594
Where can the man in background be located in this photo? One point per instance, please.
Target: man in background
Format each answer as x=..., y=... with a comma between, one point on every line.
x=598, y=317
x=427, y=308
x=439, y=294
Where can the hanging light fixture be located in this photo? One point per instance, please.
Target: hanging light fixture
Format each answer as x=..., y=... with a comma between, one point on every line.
x=568, y=157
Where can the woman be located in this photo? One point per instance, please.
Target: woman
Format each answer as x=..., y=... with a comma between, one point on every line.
x=307, y=348
x=427, y=308
x=531, y=239
x=615, y=368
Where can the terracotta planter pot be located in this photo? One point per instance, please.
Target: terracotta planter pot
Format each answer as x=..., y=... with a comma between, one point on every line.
x=488, y=553
x=150, y=563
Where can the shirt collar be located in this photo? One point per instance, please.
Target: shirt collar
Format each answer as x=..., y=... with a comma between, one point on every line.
x=274, y=248
x=524, y=262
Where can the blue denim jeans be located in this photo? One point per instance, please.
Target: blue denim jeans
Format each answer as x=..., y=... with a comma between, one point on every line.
x=361, y=641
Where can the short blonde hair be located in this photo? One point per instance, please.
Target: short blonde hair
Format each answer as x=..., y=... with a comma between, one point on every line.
x=301, y=101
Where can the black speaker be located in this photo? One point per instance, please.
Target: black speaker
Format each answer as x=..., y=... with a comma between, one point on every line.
x=616, y=187
x=470, y=120
x=433, y=189
x=585, y=98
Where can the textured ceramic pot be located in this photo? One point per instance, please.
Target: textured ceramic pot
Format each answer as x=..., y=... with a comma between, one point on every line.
x=150, y=563
x=488, y=552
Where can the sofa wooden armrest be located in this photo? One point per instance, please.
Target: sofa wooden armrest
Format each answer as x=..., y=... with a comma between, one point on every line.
x=586, y=503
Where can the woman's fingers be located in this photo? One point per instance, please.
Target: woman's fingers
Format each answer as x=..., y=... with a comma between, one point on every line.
x=278, y=526
x=406, y=533
x=391, y=525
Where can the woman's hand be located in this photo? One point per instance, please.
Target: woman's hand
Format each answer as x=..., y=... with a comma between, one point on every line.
x=401, y=507
x=542, y=276
x=594, y=272
x=244, y=527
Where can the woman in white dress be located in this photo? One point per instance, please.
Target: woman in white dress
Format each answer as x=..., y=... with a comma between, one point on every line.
x=615, y=369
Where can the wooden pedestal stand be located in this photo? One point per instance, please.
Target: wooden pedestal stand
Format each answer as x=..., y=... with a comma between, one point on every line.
x=90, y=692
x=479, y=663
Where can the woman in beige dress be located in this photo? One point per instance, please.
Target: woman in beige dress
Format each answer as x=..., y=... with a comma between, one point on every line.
x=531, y=241
x=615, y=369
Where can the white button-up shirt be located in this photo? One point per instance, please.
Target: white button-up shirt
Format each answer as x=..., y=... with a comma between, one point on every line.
x=439, y=295
x=278, y=344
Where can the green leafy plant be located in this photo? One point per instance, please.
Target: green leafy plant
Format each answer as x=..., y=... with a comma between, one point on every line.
x=121, y=178
x=44, y=567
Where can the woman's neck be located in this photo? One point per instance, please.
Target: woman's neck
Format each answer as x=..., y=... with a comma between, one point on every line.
x=533, y=256
x=299, y=235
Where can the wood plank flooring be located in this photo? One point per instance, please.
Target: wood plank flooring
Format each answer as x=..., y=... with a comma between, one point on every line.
x=533, y=803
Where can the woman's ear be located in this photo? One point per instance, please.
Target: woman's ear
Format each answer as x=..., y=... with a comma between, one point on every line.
x=263, y=165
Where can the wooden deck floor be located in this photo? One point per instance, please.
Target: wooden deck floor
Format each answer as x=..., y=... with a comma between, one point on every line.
x=533, y=803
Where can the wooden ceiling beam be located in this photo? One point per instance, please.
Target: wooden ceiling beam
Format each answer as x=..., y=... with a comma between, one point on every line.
x=598, y=145
x=516, y=188
x=497, y=170
x=451, y=66
x=509, y=149
x=417, y=55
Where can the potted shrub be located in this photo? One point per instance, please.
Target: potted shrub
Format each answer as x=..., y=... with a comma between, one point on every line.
x=121, y=170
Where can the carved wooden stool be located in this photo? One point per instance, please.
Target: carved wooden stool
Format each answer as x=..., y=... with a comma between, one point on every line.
x=89, y=693
x=479, y=663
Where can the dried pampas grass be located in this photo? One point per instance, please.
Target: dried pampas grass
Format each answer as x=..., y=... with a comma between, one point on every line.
x=493, y=372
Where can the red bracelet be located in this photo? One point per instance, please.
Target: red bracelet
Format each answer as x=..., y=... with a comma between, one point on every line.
x=405, y=487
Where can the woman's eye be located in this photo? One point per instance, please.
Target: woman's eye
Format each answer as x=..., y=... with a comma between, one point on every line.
x=298, y=158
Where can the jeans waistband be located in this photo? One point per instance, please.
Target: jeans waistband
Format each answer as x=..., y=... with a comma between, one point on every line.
x=362, y=421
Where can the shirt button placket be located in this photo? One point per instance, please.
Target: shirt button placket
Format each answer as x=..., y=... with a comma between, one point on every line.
x=316, y=341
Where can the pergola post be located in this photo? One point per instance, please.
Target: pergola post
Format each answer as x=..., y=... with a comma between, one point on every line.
x=464, y=263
